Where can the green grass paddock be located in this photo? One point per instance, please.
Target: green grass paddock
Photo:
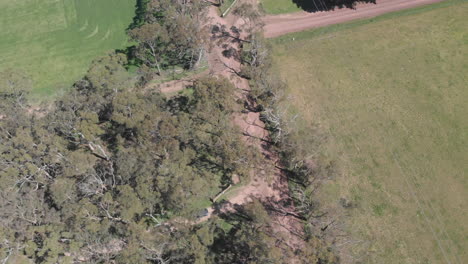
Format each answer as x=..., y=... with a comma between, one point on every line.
x=275, y=7
x=53, y=41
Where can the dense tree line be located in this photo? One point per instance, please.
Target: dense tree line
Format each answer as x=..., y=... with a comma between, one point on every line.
x=140, y=13
x=168, y=33
x=108, y=162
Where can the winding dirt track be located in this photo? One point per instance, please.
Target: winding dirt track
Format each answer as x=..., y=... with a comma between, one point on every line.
x=277, y=25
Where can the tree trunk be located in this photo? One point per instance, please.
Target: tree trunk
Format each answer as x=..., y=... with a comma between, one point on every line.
x=200, y=56
x=157, y=66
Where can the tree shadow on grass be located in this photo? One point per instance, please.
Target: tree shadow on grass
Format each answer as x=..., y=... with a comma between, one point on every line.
x=327, y=5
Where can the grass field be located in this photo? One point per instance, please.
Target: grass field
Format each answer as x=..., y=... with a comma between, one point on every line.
x=275, y=7
x=53, y=41
x=391, y=95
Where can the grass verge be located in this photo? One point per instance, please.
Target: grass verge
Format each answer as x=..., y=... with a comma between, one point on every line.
x=276, y=7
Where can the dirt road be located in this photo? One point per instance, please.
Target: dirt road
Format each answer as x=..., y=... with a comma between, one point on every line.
x=277, y=25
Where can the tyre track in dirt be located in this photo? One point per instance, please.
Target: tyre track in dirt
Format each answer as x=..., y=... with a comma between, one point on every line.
x=278, y=25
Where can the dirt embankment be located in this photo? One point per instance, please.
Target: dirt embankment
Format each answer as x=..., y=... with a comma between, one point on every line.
x=277, y=25
x=267, y=183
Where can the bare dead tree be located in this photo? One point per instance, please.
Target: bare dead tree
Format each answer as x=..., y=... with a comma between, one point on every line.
x=156, y=254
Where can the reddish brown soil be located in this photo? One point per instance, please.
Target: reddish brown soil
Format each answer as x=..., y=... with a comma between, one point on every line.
x=277, y=25
x=175, y=86
x=250, y=123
